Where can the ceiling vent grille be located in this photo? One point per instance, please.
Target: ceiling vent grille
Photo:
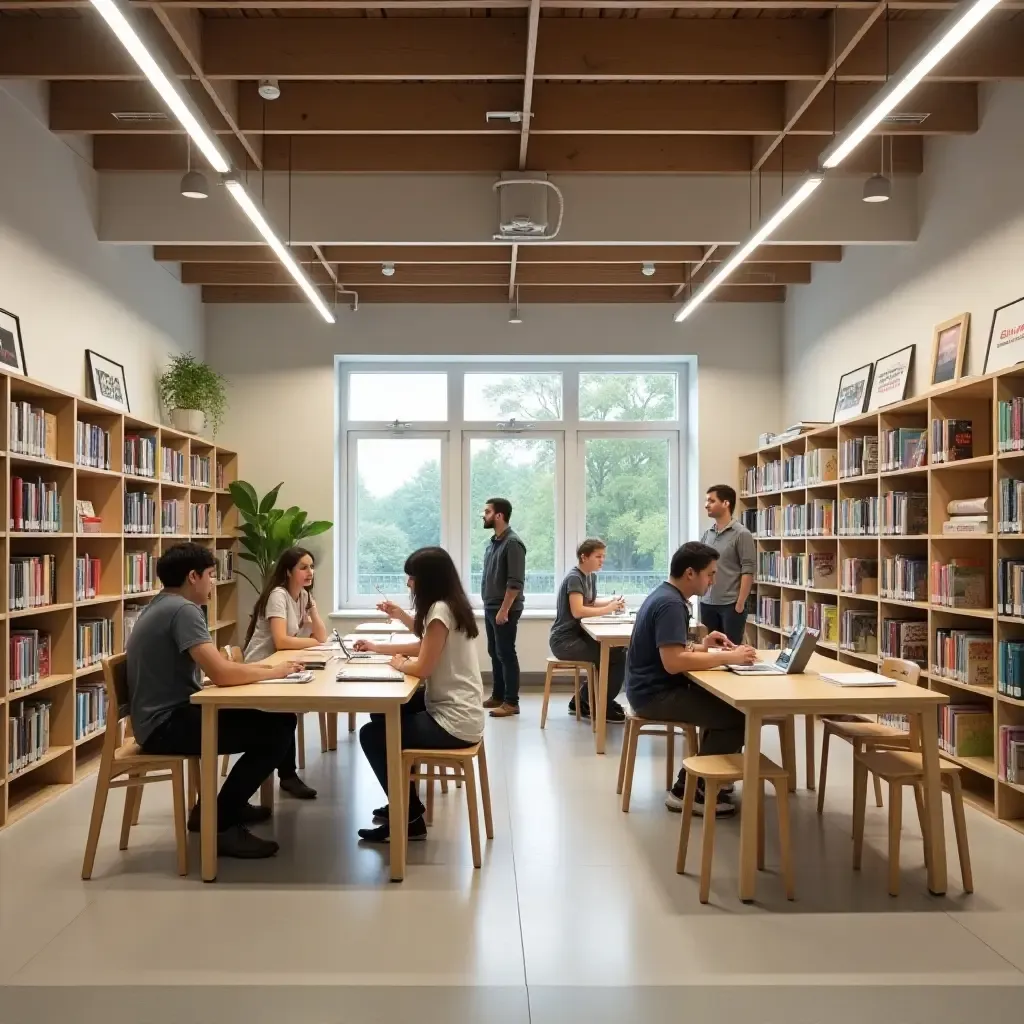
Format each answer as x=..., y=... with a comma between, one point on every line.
x=137, y=116
x=905, y=119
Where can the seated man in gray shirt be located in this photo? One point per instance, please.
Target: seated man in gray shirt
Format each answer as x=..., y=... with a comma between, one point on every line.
x=167, y=653
x=576, y=601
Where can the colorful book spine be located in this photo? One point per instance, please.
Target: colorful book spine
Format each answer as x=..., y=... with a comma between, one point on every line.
x=92, y=446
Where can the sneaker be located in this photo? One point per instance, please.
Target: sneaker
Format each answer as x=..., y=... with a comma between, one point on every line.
x=382, y=814
x=252, y=814
x=615, y=713
x=674, y=801
x=584, y=709
x=382, y=833
x=505, y=711
x=294, y=786
x=492, y=702
x=724, y=807
x=238, y=841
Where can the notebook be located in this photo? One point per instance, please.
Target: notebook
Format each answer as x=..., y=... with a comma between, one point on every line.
x=857, y=679
x=355, y=671
x=293, y=677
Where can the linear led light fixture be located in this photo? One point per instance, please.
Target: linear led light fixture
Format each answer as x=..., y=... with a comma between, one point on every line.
x=789, y=206
x=945, y=38
x=241, y=196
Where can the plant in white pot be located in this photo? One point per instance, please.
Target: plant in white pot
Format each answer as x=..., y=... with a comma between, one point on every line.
x=193, y=394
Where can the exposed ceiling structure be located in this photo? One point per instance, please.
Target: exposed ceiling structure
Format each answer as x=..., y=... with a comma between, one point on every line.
x=710, y=96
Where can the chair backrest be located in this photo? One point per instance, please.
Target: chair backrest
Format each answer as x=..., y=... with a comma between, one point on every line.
x=233, y=653
x=115, y=677
x=904, y=671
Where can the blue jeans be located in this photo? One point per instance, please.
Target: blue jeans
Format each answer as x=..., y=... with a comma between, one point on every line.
x=725, y=619
x=501, y=646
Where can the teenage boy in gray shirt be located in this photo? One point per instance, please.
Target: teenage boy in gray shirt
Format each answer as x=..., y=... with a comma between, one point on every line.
x=168, y=652
x=724, y=606
x=501, y=588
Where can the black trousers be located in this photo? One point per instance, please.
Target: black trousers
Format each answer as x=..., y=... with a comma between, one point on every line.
x=419, y=731
x=725, y=619
x=261, y=737
x=586, y=648
x=501, y=646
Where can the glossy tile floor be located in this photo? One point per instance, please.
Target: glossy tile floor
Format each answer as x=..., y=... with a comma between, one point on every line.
x=577, y=913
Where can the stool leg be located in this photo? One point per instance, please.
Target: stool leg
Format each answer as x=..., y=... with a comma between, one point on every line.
x=428, y=817
x=485, y=792
x=443, y=772
x=578, y=689
x=708, y=853
x=137, y=806
x=627, y=782
x=689, y=795
x=895, y=827
x=300, y=741
x=809, y=745
x=99, y=806
x=760, y=824
x=878, y=790
x=922, y=819
x=547, y=697
x=860, y=799
x=193, y=782
x=622, y=755
x=956, y=795
x=178, y=796
x=474, y=820
x=785, y=841
x=670, y=756
x=690, y=732
x=351, y=721
x=824, y=766
x=127, y=818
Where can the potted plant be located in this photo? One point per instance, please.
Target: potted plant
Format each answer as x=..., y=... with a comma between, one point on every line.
x=193, y=394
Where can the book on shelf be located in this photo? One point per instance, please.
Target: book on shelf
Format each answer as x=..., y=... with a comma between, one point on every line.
x=87, y=577
x=903, y=448
x=960, y=583
x=903, y=578
x=92, y=446
x=1011, y=753
x=823, y=570
x=140, y=455
x=139, y=512
x=172, y=466
x=173, y=516
x=35, y=506
x=132, y=612
x=858, y=456
x=221, y=478
x=199, y=470
x=86, y=520
x=968, y=507
x=1011, y=425
x=830, y=623
x=199, y=519
x=793, y=472
x=904, y=513
x=747, y=516
x=225, y=563
x=29, y=651
x=1010, y=587
x=794, y=520
x=769, y=611
x=33, y=431
x=821, y=517
x=769, y=476
x=31, y=582
x=769, y=521
x=139, y=572
x=94, y=641
x=90, y=709
x=858, y=517
x=963, y=655
x=822, y=465
x=906, y=639
x=1011, y=505
x=794, y=615
x=952, y=440
x=858, y=632
x=28, y=733
x=966, y=524
x=965, y=730
x=859, y=576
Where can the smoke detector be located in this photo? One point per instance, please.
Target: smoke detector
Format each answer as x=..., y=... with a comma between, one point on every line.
x=647, y=269
x=387, y=269
x=269, y=89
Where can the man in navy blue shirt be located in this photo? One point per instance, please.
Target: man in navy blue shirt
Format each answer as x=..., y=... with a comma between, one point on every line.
x=660, y=655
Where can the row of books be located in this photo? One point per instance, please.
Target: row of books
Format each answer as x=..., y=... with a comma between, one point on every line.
x=1010, y=587
x=221, y=477
x=894, y=720
x=92, y=445
x=905, y=638
x=140, y=455
x=821, y=517
x=95, y=641
x=33, y=431
x=139, y=572
x=825, y=619
x=859, y=576
x=774, y=567
x=1010, y=417
x=87, y=577
x=1011, y=505
x=794, y=615
x=821, y=466
x=131, y=616
x=225, y=563
x=173, y=516
x=903, y=448
x=793, y=472
x=28, y=733
x=963, y=655
x=769, y=521
x=968, y=515
x=903, y=578
x=35, y=506
x=748, y=517
x=952, y=440
x=858, y=632
x=1010, y=678
x=903, y=513
x=172, y=466
x=857, y=517
x=960, y=583
x=769, y=611
x=31, y=582
x=90, y=709
x=1011, y=753
x=199, y=519
x=28, y=658
x=758, y=479
x=966, y=730
x=794, y=520
x=199, y=469
x=139, y=512
x=858, y=456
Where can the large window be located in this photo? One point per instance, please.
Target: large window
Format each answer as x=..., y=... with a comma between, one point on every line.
x=583, y=450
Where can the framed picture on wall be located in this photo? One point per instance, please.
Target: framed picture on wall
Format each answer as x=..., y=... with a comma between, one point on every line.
x=107, y=381
x=891, y=377
x=12, y=351
x=1006, y=338
x=852, y=397
x=949, y=344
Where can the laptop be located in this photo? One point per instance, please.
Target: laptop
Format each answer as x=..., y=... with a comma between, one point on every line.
x=367, y=668
x=792, y=661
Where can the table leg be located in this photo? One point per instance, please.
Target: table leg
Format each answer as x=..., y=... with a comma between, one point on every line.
x=809, y=741
x=332, y=731
x=208, y=801
x=748, y=810
x=933, y=802
x=598, y=704
x=398, y=787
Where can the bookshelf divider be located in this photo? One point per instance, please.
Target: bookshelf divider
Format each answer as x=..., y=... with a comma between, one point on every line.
x=73, y=588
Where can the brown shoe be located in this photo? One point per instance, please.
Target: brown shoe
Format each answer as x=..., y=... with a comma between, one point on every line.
x=492, y=702
x=505, y=711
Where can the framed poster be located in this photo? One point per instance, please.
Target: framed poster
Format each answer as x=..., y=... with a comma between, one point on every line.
x=1006, y=338
x=12, y=351
x=107, y=379
x=890, y=379
x=949, y=343
x=852, y=397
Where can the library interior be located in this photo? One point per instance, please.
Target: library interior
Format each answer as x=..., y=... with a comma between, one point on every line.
x=588, y=433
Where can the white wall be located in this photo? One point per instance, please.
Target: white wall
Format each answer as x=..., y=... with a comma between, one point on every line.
x=280, y=362
x=968, y=257
x=70, y=291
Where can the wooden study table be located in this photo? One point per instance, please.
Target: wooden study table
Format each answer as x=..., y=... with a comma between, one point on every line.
x=609, y=631
x=324, y=693
x=807, y=694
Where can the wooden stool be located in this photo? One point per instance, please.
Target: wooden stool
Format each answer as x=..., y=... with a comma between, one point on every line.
x=906, y=768
x=864, y=735
x=575, y=667
x=421, y=764
x=627, y=759
x=717, y=770
x=125, y=758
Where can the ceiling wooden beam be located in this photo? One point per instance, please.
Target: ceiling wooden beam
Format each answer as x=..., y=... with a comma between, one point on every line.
x=417, y=5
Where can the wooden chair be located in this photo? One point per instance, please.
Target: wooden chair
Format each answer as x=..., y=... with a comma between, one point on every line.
x=863, y=734
x=718, y=770
x=421, y=764
x=902, y=768
x=635, y=725
x=561, y=665
x=123, y=765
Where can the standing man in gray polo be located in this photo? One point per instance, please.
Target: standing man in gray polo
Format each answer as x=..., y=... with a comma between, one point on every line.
x=724, y=606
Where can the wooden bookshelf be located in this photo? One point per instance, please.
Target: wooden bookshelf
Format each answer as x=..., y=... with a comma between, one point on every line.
x=70, y=756
x=975, y=399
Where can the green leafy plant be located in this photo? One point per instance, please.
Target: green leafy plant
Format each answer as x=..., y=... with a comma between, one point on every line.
x=189, y=383
x=267, y=531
